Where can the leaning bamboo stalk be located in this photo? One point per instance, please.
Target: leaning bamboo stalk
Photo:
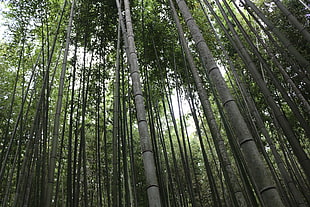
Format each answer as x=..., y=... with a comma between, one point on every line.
x=258, y=171
x=52, y=164
x=287, y=78
x=293, y=20
x=299, y=57
x=208, y=112
x=287, y=129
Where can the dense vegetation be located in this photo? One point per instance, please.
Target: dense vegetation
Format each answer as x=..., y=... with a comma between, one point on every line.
x=155, y=103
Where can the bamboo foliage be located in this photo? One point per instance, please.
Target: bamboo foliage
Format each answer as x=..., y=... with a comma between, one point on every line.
x=154, y=103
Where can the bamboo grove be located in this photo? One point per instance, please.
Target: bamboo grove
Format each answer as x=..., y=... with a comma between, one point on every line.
x=155, y=103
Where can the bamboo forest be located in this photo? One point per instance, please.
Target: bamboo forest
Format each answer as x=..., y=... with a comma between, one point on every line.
x=160, y=103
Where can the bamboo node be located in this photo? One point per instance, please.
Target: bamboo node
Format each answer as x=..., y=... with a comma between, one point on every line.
x=245, y=140
x=137, y=94
x=226, y=102
x=189, y=19
x=200, y=41
x=153, y=185
x=141, y=120
x=147, y=150
x=213, y=68
x=267, y=188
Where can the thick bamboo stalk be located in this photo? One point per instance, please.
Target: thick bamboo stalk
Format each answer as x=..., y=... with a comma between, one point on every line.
x=257, y=169
x=208, y=112
x=296, y=146
x=146, y=145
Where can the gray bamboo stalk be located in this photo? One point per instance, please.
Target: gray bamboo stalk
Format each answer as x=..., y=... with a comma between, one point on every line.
x=260, y=125
x=299, y=57
x=208, y=112
x=261, y=128
x=115, y=200
x=298, y=150
x=301, y=28
x=170, y=188
x=273, y=57
x=52, y=164
x=133, y=197
x=145, y=140
x=264, y=65
x=257, y=169
x=244, y=94
x=122, y=24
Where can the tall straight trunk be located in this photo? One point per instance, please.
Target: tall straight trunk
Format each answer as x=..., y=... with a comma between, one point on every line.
x=299, y=57
x=116, y=128
x=85, y=90
x=296, y=146
x=146, y=146
x=294, y=21
x=258, y=171
x=52, y=164
x=287, y=78
x=214, y=192
x=170, y=184
x=208, y=112
x=127, y=188
x=60, y=163
x=105, y=149
x=76, y=156
x=151, y=118
x=131, y=149
x=173, y=155
x=70, y=135
x=261, y=128
x=98, y=144
x=45, y=117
